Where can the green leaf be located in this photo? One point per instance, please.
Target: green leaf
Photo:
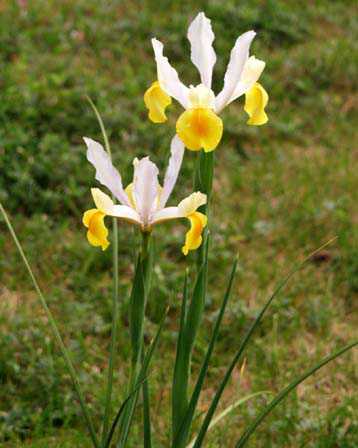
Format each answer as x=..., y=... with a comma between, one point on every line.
x=142, y=378
x=182, y=433
x=187, y=335
x=279, y=397
x=138, y=299
x=181, y=372
x=244, y=342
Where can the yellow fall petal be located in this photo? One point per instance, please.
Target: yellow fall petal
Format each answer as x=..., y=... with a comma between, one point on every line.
x=97, y=232
x=193, y=238
x=256, y=100
x=200, y=128
x=156, y=101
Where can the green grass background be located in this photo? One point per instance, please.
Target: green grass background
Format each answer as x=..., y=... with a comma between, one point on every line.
x=279, y=192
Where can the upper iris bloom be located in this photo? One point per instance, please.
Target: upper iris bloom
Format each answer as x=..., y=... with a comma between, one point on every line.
x=199, y=126
x=143, y=201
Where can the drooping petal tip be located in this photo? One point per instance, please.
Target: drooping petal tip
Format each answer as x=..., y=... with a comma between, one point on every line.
x=256, y=100
x=190, y=204
x=97, y=232
x=193, y=237
x=156, y=101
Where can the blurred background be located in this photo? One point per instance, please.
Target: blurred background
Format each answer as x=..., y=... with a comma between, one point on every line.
x=280, y=191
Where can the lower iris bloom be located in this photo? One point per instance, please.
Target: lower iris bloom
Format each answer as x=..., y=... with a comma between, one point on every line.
x=143, y=202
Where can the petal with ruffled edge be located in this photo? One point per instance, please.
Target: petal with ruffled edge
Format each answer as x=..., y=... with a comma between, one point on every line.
x=97, y=231
x=201, y=37
x=145, y=188
x=256, y=100
x=193, y=238
x=171, y=175
x=168, y=77
x=190, y=204
x=251, y=73
x=156, y=101
x=106, y=174
x=200, y=128
x=238, y=57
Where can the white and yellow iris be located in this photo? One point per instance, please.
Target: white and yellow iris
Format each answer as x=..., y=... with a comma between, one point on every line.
x=143, y=202
x=199, y=126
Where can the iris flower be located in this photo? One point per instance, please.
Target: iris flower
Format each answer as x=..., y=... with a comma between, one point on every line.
x=199, y=126
x=143, y=202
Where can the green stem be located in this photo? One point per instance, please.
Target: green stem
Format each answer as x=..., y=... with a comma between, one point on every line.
x=55, y=331
x=138, y=299
x=115, y=297
x=203, y=181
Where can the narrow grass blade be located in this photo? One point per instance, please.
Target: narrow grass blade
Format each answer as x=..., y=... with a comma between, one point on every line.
x=147, y=431
x=55, y=331
x=182, y=433
x=107, y=443
x=244, y=342
x=187, y=335
x=115, y=297
x=229, y=409
x=101, y=124
x=180, y=377
x=251, y=429
x=142, y=378
x=147, y=442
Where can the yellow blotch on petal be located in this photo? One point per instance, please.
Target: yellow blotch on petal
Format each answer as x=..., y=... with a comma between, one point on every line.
x=200, y=128
x=256, y=100
x=97, y=232
x=193, y=238
x=156, y=101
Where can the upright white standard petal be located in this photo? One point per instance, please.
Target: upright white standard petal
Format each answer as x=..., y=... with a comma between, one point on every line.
x=250, y=75
x=145, y=188
x=238, y=57
x=201, y=37
x=176, y=157
x=105, y=171
x=168, y=77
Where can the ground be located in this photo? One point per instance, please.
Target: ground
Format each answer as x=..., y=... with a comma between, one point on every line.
x=280, y=191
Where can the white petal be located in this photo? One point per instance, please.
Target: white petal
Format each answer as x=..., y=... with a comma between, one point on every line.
x=126, y=213
x=145, y=187
x=165, y=214
x=168, y=77
x=190, y=204
x=176, y=157
x=201, y=37
x=238, y=57
x=250, y=75
x=105, y=204
x=105, y=171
